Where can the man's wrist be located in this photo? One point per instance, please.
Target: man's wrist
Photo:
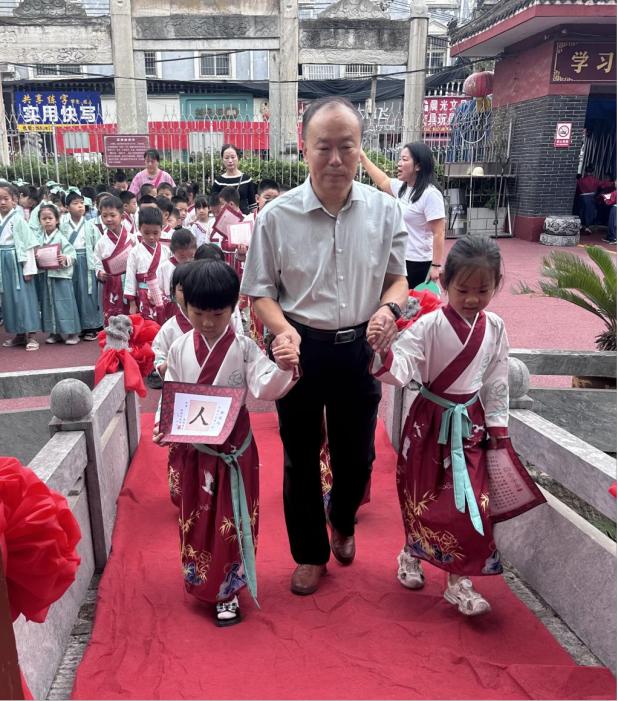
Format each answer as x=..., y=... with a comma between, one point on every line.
x=394, y=309
x=436, y=265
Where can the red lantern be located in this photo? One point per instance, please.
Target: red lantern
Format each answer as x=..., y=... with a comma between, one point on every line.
x=479, y=84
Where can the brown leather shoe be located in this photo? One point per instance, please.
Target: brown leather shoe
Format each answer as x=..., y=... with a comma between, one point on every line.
x=343, y=547
x=306, y=579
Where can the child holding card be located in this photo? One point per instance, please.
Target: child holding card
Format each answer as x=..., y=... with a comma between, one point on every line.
x=83, y=236
x=18, y=293
x=218, y=481
x=182, y=247
x=141, y=287
x=55, y=259
x=459, y=355
x=235, y=254
x=201, y=225
x=110, y=256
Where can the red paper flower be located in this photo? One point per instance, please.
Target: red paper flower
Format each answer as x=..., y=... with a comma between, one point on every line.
x=38, y=537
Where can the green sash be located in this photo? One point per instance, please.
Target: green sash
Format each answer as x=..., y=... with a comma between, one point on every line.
x=242, y=521
x=456, y=422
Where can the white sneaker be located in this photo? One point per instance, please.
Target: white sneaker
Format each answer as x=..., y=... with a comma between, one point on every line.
x=410, y=573
x=228, y=612
x=463, y=595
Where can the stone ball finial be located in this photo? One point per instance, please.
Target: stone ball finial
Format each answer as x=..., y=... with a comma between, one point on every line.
x=71, y=400
x=519, y=378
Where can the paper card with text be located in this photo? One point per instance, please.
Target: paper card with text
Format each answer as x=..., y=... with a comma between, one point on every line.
x=116, y=264
x=240, y=234
x=193, y=413
x=227, y=217
x=47, y=256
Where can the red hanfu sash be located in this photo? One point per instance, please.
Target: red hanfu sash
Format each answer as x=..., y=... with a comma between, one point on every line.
x=471, y=337
x=154, y=263
x=122, y=243
x=129, y=219
x=173, y=261
x=101, y=228
x=210, y=359
x=183, y=323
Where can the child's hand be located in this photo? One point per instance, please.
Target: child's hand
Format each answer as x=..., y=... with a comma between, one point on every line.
x=102, y=275
x=27, y=278
x=381, y=330
x=62, y=260
x=157, y=436
x=161, y=369
x=132, y=308
x=286, y=355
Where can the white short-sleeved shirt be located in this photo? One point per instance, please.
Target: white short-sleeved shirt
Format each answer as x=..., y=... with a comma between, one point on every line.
x=417, y=215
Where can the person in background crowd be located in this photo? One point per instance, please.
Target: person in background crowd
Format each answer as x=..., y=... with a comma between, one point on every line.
x=181, y=203
x=120, y=181
x=129, y=203
x=202, y=224
x=151, y=174
x=165, y=190
x=586, y=192
x=232, y=177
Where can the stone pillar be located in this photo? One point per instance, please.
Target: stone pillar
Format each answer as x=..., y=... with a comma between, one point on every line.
x=132, y=118
x=141, y=91
x=4, y=137
x=283, y=94
x=414, y=89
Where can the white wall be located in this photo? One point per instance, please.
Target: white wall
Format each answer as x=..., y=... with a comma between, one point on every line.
x=164, y=108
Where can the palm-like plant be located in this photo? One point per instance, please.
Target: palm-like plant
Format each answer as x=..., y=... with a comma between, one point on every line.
x=574, y=280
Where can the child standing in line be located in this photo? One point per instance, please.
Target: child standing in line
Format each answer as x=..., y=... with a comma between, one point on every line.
x=83, y=236
x=216, y=565
x=59, y=313
x=167, y=208
x=181, y=203
x=110, y=256
x=28, y=200
x=141, y=287
x=235, y=255
x=182, y=247
x=166, y=190
x=20, y=305
x=201, y=226
x=459, y=354
x=193, y=191
x=129, y=207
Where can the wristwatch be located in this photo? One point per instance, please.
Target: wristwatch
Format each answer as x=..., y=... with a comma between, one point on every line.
x=395, y=309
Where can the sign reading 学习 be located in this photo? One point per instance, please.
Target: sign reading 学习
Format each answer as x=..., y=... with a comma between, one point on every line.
x=126, y=150
x=44, y=110
x=584, y=62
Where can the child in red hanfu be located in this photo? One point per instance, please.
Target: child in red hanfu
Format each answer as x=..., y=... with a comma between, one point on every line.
x=459, y=355
x=217, y=553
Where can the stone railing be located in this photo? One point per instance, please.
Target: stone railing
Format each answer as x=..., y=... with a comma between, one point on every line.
x=566, y=559
x=94, y=434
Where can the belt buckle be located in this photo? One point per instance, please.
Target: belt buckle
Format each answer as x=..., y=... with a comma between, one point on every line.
x=345, y=336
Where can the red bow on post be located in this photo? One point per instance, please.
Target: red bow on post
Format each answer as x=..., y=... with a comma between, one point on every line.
x=428, y=303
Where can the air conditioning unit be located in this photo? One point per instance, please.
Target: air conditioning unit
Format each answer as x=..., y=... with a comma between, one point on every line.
x=7, y=71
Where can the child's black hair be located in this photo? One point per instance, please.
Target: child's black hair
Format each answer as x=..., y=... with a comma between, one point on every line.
x=182, y=238
x=209, y=251
x=100, y=196
x=72, y=197
x=213, y=200
x=101, y=187
x=146, y=199
x=57, y=198
x=150, y=215
x=180, y=196
x=10, y=188
x=111, y=202
x=211, y=284
x=471, y=252
x=120, y=176
x=201, y=202
x=126, y=196
x=145, y=189
x=230, y=195
x=29, y=191
x=178, y=276
x=89, y=191
x=267, y=184
x=175, y=213
x=52, y=208
x=192, y=189
x=164, y=204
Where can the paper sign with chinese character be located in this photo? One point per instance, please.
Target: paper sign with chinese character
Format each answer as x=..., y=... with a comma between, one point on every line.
x=43, y=110
x=192, y=413
x=240, y=234
x=584, y=62
x=562, y=138
x=438, y=113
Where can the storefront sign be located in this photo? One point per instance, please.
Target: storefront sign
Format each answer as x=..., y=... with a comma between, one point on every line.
x=584, y=62
x=44, y=110
x=438, y=113
x=562, y=138
x=126, y=151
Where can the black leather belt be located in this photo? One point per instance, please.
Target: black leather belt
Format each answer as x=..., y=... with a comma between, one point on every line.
x=338, y=337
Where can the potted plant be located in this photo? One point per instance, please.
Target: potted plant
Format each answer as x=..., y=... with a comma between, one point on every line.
x=568, y=277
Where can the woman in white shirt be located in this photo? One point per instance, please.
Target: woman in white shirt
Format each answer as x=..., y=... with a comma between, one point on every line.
x=423, y=207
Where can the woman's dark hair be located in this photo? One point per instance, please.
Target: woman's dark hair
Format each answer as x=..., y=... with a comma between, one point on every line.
x=51, y=208
x=230, y=194
x=111, y=202
x=152, y=153
x=225, y=147
x=72, y=197
x=182, y=238
x=422, y=157
x=331, y=101
x=150, y=215
x=209, y=251
x=211, y=284
x=178, y=276
x=471, y=252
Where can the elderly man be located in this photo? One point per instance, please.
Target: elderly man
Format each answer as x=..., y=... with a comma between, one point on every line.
x=325, y=259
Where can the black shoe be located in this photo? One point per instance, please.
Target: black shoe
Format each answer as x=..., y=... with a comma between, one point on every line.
x=154, y=381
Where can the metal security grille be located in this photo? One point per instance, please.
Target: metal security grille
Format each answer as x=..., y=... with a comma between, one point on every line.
x=150, y=61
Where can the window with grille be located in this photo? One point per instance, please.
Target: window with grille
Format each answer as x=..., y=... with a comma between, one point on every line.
x=437, y=48
x=358, y=70
x=55, y=69
x=46, y=69
x=320, y=71
x=215, y=65
x=150, y=62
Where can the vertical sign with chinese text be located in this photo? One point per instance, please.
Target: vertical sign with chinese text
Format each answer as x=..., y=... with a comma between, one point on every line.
x=584, y=62
x=562, y=137
x=42, y=110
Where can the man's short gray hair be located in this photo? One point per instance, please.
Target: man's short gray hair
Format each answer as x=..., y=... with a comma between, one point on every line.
x=323, y=102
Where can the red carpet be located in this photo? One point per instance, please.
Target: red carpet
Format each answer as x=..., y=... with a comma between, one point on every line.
x=362, y=636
